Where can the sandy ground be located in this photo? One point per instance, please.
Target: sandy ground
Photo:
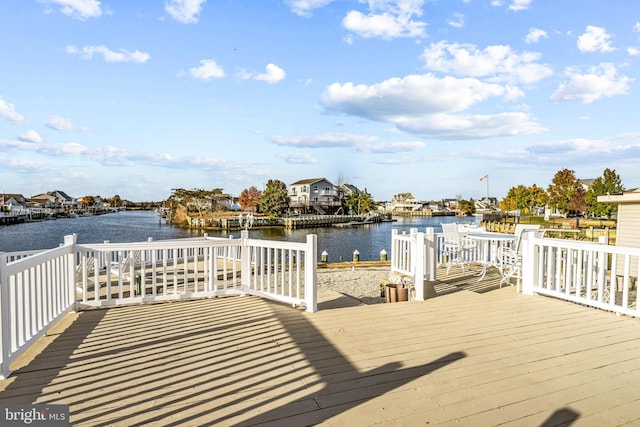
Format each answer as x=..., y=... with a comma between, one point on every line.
x=362, y=283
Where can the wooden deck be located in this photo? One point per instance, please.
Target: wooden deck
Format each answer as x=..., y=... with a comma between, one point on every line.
x=472, y=355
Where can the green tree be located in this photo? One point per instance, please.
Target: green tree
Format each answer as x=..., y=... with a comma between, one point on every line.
x=562, y=190
x=608, y=183
x=359, y=202
x=466, y=207
x=274, y=200
x=516, y=198
x=115, y=201
x=537, y=196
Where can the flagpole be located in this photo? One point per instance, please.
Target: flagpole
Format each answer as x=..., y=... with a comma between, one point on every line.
x=487, y=187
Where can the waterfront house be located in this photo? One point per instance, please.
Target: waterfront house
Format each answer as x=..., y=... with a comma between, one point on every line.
x=314, y=196
x=404, y=202
x=55, y=199
x=13, y=200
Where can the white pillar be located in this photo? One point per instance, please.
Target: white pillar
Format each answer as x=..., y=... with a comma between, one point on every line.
x=311, y=273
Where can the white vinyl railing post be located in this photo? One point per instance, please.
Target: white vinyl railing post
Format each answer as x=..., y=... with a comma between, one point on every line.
x=529, y=262
x=245, y=263
x=431, y=253
x=70, y=240
x=5, y=318
x=311, y=273
x=419, y=261
x=394, y=250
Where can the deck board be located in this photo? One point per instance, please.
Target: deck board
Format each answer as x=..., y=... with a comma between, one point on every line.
x=475, y=354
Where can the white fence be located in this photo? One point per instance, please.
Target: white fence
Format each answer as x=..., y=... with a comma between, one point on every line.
x=593, y=274
x=415, y=255
x=588, y=273
x=36, y=290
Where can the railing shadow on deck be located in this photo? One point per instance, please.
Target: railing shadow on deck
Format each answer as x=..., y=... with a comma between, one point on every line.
x=205, y=362
x=28, y=382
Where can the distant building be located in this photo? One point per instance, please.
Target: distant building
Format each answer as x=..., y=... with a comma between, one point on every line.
x=17, y=200
x=404, y=202
x=54, y=199
x=314, y=196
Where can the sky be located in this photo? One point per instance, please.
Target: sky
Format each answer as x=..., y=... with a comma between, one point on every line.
x=136, y=98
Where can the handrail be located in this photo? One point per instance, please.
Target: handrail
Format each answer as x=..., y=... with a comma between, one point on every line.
x=36, y=290
x=35, y=293
x=594, y=274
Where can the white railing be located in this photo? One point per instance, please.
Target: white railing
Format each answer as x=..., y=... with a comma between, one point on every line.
x=283, y=271
x=415, y=255
x=36, y=290
x=14, y=256
x=593, y=274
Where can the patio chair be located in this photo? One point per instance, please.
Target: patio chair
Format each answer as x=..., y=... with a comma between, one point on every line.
x=123, y=267
x=510, y=257
x=88, y=265
x=457, y=250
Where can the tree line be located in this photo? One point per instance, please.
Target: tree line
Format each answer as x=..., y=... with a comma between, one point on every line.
x=566, y=194
x=273, y=201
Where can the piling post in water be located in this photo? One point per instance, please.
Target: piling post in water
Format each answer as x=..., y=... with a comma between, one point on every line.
x=324, y=256
x=356, y=256
x=383, y=255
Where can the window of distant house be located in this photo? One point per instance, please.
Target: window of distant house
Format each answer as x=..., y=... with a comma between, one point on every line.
x=304, y=189
x=327, y=189
x=315, y=188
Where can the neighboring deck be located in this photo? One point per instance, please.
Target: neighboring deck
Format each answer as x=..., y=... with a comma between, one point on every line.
x=473, y=355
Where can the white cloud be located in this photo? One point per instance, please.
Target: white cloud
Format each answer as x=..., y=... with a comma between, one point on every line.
x=471, y=126
x=457, y=20
x=305, y=7
x=425, y=104
x=272, y=74
x=122, y=55
x=391, y=147
x=515, y=5
x=598, y=82
x=300, y=157
x=384, y=25
x=30, y=136
x=78, y=9
x=499, y=62
x=62, y=124
x=8, y=112
x=518, y=5
x=361, y=143
x=327, y=140
x=633, y=51
x=208, y=69
x=185, y=11
x=595, y=39
x=534, y=35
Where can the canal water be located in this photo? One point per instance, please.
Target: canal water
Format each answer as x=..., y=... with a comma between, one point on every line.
x=134, y=226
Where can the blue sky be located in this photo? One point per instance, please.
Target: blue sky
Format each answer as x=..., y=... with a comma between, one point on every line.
x=138, y=97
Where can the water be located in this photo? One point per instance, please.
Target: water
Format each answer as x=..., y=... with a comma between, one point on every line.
x=135, y=226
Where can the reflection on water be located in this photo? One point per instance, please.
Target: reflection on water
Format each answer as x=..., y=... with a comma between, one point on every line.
x=135, y=226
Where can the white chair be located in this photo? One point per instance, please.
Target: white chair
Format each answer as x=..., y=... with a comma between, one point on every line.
x=122, y=268
x=510, y=258
x=457, y=250
x=87, y=265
